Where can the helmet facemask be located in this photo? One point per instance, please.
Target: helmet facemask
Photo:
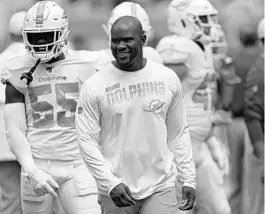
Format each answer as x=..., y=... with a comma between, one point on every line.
x=219, y=45
x=45, y=45
x=207, y=25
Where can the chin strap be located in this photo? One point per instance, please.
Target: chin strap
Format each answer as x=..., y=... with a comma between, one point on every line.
x=28, y=75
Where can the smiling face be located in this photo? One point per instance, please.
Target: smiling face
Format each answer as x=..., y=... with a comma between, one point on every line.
x=127, y=40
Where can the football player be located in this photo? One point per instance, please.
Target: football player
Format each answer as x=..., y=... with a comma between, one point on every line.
x=42, y=88
x=189, y=52
x=127, y=9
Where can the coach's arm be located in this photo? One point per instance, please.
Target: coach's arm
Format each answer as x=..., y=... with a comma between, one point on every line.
x=180, y=144
x=88, y=130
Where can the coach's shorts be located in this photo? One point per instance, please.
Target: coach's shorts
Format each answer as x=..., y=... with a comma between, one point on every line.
x=77, y=190
x=10, y=187
x=162, y=202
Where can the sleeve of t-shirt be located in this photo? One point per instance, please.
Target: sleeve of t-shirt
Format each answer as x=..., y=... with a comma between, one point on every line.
x=88, y=130
x=179, y=141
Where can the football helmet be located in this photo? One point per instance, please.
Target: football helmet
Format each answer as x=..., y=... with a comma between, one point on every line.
x=45, y=30
x=16, y=22
x=197, y=20
x=193, y=18
x=128, y=9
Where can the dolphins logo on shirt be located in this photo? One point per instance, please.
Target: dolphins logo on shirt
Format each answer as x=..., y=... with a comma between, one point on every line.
x=155, y=106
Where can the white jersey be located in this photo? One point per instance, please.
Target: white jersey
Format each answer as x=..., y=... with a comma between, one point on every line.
x=198, y=85
x=105, y=56
x=50, y=101
x=138, y=120
x=13, y=49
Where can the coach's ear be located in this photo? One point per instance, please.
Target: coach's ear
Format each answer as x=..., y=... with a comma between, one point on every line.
x=143, y=38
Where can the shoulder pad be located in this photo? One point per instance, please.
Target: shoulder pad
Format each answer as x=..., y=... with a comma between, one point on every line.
x=13, y=69
x=80, y=56
x=151, y=53
x=88, y=56
x=173, y=49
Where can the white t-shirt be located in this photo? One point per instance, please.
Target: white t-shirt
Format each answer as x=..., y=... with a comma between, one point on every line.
x=131, y=126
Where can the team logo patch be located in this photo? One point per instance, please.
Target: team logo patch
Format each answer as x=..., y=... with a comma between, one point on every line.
x=80, y=110
x=49, y=69
x=155, y=106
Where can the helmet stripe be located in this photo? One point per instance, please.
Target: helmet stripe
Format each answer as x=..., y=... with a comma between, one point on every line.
x=40, y=13
x=133, y=10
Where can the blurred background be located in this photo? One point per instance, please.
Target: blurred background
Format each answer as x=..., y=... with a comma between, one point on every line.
x=239, y=19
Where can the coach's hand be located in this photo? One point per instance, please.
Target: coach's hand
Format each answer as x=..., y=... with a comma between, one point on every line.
x=188, y=196
x=43, y=183
x=121, y=196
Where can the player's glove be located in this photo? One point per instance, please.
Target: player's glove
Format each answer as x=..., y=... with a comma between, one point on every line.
x=43, y=183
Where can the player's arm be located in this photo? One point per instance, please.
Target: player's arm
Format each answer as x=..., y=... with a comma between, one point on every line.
x=15, y=123
x=253, y=112
x=88, y=130
x=227, y=82
x=15, y=119
x=180, y=145
x=218, y=148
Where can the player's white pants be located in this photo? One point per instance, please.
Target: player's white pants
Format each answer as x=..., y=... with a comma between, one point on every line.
x=77, y=189
x=10, y=187
x=210, y=195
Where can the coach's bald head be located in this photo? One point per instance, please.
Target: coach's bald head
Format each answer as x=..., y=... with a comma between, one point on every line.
x=128, y=23
x=127, y=41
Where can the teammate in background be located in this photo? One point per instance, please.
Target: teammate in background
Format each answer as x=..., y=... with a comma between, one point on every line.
x=131, y=125
x=9, y=167
x=42, y=87
x=254, y=118
x=16, y=46
x=127, y=9
x=189, y=53
x=254, y=103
